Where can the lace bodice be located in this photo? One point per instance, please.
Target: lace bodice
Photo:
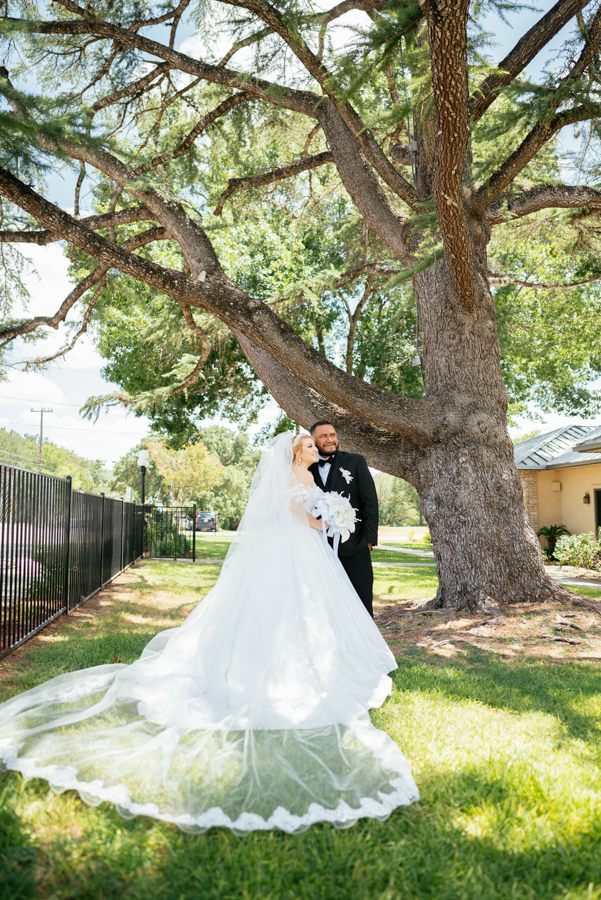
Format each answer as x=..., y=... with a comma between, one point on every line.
x=306, y=493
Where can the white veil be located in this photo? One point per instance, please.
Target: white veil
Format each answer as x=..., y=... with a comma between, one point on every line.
x=269, y=499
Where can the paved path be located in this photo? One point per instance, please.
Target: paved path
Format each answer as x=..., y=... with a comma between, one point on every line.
x=412, y=552
x=572, y=581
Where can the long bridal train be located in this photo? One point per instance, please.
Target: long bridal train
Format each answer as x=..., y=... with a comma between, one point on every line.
x=252, y=715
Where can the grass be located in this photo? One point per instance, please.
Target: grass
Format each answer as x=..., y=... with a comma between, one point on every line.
x=505, y=751
x=216, y=548
x=401, y=585
x=207, y=548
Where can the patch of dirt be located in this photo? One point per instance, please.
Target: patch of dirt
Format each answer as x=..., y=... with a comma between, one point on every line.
x=525, y=630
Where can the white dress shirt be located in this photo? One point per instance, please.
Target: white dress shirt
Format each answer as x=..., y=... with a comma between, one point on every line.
x=324, y=471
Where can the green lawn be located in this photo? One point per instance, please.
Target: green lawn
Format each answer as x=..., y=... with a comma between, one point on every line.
x=212, y=548
x=216, y=548
x=399, y=584
x=505, y=751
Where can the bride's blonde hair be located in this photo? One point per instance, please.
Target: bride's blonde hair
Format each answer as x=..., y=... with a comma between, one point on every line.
x=297, y=445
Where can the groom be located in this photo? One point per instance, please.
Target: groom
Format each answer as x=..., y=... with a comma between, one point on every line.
x=347, y=473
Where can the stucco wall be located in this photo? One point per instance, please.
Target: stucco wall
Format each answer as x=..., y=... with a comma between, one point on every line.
x=565, y=507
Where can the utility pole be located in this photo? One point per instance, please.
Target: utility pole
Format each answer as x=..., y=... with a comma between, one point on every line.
x=41, y=412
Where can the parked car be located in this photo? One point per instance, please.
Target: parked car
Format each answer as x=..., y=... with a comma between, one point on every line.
x=207, y=521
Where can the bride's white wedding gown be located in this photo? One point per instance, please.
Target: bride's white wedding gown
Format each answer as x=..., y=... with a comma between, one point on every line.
x=252, y=714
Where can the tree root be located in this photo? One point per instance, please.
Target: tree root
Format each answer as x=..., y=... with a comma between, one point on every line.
x=482, y=602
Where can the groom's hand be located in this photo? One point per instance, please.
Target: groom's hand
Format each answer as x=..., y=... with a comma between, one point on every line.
x=370, y=547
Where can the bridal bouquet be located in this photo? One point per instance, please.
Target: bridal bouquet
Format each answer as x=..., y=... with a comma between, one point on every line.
x=336, y=510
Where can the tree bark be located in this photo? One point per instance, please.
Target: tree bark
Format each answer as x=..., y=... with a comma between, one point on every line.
x=471, y=495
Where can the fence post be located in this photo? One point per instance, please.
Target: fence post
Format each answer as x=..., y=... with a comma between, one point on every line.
x=194, y=533
x=122, y=531
x=101, y=582
x=67, y=547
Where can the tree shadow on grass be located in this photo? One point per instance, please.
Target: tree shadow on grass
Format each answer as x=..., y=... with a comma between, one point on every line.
x=17, y=853
x=516, y=685
x=436, y=849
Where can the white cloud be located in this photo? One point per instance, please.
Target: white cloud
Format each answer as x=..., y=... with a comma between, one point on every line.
x=66, y=384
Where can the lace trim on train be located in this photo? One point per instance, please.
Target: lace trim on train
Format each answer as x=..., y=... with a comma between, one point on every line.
x=93, y=792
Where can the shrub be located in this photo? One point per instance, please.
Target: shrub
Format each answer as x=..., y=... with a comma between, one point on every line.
x=580, y=550
x=427, y=539
x=552, y=533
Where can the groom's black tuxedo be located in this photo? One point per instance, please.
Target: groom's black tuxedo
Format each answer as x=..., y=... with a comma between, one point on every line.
x=350, y=476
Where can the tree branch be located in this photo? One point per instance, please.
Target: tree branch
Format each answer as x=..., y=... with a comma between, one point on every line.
x=303, y=102
x=369, y=146
x=522, y=54
x=496, y=279
x=323, y=19
x=78, y=186
x=125, y=216
x=42, y=361
x=201, y=125
x=206, y=349
x=132, y=88
x=289, y=171
x=544, y=130
x=532, y=143
x=61, y=314
x=544, y=196
x=136, y=241
x=306, y=406
x=361, y=183
x=417, y=419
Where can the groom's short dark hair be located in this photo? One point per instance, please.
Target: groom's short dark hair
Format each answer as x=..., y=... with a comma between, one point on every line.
x=321, y=422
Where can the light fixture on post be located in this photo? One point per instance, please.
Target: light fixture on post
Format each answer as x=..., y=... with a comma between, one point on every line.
x=143, y=460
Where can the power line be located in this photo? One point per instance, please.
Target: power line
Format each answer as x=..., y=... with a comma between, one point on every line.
x=63, y=428
x=36, y=400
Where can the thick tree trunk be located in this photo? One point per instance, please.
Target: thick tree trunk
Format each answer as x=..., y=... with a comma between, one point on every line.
x=469, y=487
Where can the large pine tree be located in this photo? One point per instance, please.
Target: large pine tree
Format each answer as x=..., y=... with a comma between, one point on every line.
x=396, y=113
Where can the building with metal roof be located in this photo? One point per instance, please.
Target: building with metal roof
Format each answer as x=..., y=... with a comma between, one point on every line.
x=591, y=443
x=560, y=473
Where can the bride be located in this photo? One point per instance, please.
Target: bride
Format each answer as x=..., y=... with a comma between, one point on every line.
x=253, y=714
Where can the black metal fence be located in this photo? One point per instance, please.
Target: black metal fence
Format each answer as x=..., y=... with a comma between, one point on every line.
x=170, y=532
x=58, y=547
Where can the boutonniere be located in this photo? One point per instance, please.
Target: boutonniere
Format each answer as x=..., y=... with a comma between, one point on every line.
x=346, y=475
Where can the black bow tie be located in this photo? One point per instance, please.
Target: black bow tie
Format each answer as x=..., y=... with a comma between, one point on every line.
x=324, y=462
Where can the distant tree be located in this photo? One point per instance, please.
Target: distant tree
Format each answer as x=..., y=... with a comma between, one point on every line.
x=126, y=473
x=87, y=474
x=398, y=501
x=186, y=472
x=239, y=458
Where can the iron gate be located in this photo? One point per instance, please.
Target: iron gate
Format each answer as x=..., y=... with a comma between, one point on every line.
x=170, y=532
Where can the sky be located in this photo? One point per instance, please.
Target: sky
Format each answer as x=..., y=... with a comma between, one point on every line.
x=66, y=385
